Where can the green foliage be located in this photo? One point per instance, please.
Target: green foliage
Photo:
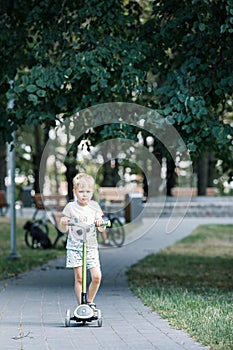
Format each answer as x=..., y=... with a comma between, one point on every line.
x=64, y=59
x=193, y=69
x=173, y=57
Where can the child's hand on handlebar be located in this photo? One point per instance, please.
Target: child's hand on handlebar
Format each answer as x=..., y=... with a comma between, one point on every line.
x=64, y=221
x=98, y=223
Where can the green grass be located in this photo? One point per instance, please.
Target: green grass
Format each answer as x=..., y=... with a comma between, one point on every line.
x=30, y=258
x=191, y=283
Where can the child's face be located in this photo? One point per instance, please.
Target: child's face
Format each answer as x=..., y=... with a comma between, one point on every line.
x=83, y=193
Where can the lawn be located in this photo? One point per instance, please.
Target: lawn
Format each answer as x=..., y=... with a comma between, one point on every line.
x=190, y=284
x=30, y=258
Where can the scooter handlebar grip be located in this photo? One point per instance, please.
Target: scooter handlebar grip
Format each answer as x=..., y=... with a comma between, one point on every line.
x=106, y=223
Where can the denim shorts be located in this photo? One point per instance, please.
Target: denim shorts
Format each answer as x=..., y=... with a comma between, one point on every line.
x=74, y=258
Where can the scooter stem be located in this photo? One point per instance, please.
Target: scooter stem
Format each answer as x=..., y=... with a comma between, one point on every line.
x=84, y=269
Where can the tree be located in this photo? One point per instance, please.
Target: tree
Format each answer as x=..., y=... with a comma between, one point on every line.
x=63, y=59
x=175, y=58
x=191, y=71
x=66, y=58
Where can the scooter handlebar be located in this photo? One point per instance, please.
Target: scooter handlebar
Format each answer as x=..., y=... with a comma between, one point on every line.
x=106, y=223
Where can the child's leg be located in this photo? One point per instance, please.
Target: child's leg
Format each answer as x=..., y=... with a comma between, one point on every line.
x=78, y=283
x=95, y=283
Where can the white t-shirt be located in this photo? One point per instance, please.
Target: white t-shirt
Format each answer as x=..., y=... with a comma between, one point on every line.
x=84, y=215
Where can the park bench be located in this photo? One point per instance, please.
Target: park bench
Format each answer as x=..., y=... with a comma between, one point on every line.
x=3, y=203
x=54, y=202
x=188, y=191
x=118, y=194
x=114, y=199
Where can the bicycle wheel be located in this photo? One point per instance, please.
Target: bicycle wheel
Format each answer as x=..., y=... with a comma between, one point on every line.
x=32, y=241
x=116, y=232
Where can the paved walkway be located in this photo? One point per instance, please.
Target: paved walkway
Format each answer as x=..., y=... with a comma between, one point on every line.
x=33, y=306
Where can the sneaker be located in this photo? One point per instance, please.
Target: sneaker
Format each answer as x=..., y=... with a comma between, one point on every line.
x=107, y=243
x=92, y=305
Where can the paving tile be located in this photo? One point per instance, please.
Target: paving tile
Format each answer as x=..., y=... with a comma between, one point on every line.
x=33, y=305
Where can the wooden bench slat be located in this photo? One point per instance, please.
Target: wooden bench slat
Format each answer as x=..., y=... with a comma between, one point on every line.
x=117, y=194
x=53, y=202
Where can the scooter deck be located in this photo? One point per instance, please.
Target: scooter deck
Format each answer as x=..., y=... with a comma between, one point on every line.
x=95, y=315
x=84, y=312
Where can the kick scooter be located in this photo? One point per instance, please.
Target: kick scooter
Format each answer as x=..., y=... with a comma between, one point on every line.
x=84, y=313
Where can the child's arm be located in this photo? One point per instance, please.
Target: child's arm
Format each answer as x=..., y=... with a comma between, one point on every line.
x=98, y=223
x=64, y=222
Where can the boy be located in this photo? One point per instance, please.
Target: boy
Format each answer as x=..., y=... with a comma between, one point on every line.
x=83, y=210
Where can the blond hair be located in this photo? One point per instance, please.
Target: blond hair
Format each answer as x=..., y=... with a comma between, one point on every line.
x=83, y=178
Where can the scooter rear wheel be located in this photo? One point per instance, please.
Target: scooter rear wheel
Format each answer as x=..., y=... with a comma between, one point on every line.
x=67, y=318
x=99, y=321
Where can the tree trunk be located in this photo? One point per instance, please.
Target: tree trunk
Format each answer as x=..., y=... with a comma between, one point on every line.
x=41, y=135
x=155, y=177
x=110, y=173
x=37, y=157
x=71, y=169
x=211, y=170
x=110, y=167
x=171, y=176
x=202, y=175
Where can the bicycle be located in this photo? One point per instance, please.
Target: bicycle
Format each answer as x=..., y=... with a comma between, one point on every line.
x=115, y=232
x=37, y=233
